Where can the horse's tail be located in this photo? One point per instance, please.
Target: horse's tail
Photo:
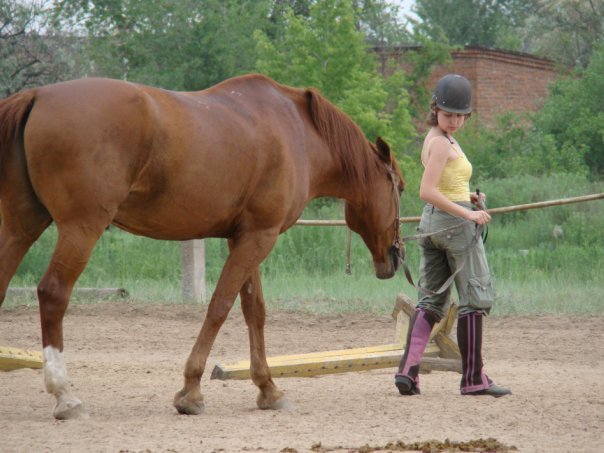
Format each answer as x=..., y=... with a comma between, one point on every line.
x=14, y=112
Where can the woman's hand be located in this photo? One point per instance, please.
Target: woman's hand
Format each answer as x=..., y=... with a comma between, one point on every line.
x=479, y=217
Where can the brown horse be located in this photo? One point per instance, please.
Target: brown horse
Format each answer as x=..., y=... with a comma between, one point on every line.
x=239, y=161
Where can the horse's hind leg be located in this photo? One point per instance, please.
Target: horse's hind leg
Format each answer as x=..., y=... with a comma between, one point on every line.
x=23, y=221
x=252, y=304
x=72, y=252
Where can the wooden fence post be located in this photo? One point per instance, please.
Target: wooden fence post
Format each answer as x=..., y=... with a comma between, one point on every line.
x=193, y=270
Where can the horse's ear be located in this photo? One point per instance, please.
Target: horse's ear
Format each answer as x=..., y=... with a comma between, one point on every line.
x=383, y=150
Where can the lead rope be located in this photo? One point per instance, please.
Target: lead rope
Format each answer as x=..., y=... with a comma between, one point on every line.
x=482, y=205
x=348, y=271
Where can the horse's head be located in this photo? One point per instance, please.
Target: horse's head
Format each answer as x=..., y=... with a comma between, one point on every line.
x=376, y=218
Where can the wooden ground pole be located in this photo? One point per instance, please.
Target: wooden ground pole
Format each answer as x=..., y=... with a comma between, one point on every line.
x=442, y=353
x=13, y=359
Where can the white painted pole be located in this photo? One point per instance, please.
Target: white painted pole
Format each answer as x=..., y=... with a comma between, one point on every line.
x=193, y=270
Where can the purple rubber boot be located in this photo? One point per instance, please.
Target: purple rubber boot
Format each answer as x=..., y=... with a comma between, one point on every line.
x=469, y=338
x=407, y=377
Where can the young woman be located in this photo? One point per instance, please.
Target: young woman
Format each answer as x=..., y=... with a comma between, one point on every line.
x=452, y=245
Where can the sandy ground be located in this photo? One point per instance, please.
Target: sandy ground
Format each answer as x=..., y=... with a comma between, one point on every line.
x=125, y=362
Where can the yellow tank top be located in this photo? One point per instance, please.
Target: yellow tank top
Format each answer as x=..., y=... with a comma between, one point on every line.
x=454, y=182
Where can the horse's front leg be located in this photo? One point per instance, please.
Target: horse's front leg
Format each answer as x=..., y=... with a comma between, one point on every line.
x=247, y=252
x=252, y=304
x=70, y=256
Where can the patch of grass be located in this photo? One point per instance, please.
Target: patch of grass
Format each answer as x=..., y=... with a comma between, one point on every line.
x=548, y=296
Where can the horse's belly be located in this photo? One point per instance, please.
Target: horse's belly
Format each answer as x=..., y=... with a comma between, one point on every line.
x=175, y=220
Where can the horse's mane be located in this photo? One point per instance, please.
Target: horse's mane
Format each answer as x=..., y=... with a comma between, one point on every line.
x=344, y=138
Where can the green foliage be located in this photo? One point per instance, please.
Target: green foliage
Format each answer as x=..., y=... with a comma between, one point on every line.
x=546, y=260
x=380, y=21
x=574, y=113
x=325, y=50
x=429, y=52
x=181, y=45
x=515, y=147
x=401, y=133
x=320, y=50
x=474, y=22
x=521, y=189
x=118, y=259
x=221, y=45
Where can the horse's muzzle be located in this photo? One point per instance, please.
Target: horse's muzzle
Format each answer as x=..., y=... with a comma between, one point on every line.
x=388, y=268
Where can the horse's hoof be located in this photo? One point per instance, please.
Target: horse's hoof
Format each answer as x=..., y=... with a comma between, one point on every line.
x=188, y=404
x=186, y=407
x=276, y=401
x=69, y=409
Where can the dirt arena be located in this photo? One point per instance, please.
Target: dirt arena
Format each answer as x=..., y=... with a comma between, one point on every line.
x=125, y=362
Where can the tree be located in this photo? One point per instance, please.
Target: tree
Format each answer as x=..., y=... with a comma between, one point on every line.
x=32, y=52
x=421, y=59
x=486, y=23
x=279, y=10
x=379, y=20
x=222, y=44
x=566, y=30
x=326, y=50
x=175, y=44
x=574, y=113
x=381, y=23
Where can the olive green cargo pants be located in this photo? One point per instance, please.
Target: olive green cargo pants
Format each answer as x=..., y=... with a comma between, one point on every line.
x=441, y=255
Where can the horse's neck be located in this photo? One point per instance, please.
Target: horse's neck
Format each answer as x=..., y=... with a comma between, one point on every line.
x=328, y=180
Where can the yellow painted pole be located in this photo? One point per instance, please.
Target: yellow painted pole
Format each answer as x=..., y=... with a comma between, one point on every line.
x=326, y=362
x=13, y=358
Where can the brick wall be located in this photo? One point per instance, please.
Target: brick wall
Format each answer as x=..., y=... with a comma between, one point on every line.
x=502, y=81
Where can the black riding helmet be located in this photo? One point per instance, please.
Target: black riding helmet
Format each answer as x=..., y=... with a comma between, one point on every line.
x=453, y=93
